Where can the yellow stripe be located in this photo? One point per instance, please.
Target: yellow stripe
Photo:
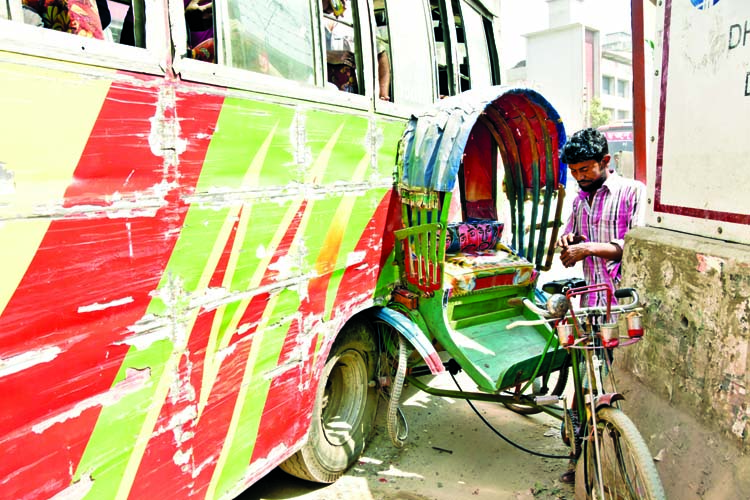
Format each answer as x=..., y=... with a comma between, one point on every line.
x=338, y=228
x=170, y=370
x=313, y=176
x=41, y=150
x=257, y=342
x=169, y=373
x=255, y=281
x=211, y=365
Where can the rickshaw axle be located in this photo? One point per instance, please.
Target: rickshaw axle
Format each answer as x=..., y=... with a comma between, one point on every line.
x=555, y=411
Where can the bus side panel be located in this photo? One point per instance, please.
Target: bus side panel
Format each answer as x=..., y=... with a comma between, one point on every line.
x=96, y=208
x=181, y=264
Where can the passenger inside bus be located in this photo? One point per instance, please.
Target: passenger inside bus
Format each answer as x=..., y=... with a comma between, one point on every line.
x=80, y=17
x=341, y=48
x=200, y=24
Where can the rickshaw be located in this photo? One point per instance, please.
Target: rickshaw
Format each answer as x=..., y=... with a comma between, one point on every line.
x=481, y=189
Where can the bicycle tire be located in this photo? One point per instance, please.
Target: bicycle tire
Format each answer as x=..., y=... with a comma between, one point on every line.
x=557, y=390
x=628, y=470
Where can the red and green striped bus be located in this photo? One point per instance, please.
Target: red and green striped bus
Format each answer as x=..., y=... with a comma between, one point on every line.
x=196, y=225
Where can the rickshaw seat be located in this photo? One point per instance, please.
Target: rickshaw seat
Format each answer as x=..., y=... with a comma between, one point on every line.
x=472, y=272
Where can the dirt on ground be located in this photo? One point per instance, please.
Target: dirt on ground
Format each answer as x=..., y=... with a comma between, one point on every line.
x=694, y=462
x=451, y=454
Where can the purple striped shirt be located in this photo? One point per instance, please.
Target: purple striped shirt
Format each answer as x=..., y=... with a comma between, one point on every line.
x=617, y=206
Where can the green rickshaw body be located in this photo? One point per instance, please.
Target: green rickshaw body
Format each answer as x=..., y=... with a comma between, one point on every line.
x=478, y=176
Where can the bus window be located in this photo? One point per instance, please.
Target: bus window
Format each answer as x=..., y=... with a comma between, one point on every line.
x=383, y=45
x=116, y=21
x=443, y=48
x=271, y=37
x=133, y=24
x=412, y=69
x=199, y=20
x=343, y=56
x=80, y=17
x=477, y=46
x=461, y=51
x=489, y=34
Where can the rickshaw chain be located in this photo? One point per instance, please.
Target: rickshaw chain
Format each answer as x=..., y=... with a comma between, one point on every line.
x=507, y=440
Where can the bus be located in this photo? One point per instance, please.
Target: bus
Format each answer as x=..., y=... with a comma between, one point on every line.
x=196, y=224
x=619, y=136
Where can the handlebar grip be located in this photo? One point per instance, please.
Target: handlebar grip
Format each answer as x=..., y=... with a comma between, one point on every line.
x=515, y=302
x=623, y=293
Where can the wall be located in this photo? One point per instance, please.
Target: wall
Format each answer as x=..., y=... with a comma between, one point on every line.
x=697, y=320
x=555, y=67
x=701, y=121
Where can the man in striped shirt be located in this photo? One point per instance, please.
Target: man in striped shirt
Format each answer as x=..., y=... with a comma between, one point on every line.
x=606, y=207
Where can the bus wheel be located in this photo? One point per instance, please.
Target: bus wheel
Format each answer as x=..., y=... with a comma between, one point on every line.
x=344, y=411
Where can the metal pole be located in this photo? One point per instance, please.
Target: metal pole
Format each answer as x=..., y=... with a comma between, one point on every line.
x=639, y=90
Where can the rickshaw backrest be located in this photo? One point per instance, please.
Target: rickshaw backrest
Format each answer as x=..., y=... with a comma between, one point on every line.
x=515, y=128
x=423, y=239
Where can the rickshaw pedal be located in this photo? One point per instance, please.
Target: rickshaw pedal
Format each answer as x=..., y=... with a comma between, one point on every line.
x=546, y=400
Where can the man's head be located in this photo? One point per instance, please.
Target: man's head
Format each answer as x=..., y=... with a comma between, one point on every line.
x=587, y=156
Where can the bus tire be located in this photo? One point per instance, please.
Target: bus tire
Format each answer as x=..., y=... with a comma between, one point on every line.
x=344, y=410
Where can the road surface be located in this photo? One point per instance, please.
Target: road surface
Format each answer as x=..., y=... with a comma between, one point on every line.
x=449, y=455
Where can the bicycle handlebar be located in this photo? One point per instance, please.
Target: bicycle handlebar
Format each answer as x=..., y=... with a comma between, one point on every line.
x=584, y=311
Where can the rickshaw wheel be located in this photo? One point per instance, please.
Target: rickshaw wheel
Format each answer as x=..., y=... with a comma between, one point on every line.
x=557, y=390
x=344, y=410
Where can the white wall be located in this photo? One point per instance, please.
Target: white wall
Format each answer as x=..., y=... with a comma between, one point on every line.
x=698, y=175
x=555, y=68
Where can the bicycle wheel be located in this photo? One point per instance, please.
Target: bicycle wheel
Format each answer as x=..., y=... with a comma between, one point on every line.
x=627, y=469
x=559, y=378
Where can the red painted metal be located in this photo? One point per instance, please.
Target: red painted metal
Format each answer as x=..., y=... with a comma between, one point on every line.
x=639, y=90
x=52, y=287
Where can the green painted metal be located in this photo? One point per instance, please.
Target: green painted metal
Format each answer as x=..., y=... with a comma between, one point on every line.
x=552, y=410
x=241, y=443
x=251, y=140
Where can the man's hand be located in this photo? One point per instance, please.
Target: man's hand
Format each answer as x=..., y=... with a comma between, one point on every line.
x=574, y=253
x=340, y=57
x=566, y=240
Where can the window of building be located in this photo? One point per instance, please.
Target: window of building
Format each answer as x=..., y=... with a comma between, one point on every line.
x=443, y=48
x=608, y=84
x=623, y=88
x=462, y=51
x=272, y=37
x=623, y=114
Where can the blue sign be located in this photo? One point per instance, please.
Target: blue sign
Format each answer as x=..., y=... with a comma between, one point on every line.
x=703, y=4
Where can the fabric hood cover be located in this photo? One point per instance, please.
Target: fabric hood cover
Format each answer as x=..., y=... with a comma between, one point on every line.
x=530, y=129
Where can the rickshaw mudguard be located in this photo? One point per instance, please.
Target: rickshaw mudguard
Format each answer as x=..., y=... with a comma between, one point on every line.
x=608, y=399
x=416, y=337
